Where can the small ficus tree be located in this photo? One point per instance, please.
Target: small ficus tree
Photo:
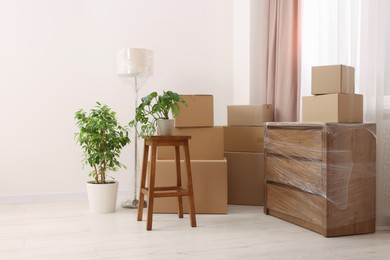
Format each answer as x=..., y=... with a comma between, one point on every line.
x=101, y=137
x=154, y=107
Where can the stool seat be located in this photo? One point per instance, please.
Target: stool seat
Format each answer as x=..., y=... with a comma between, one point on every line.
x=171, y=191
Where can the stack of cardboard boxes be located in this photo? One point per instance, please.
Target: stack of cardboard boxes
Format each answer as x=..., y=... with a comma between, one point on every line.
x=244, y=142
x=208, y=165
x=334, y=97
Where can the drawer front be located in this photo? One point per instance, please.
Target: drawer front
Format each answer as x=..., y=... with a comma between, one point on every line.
x=306, y=209
x=306, y=175
x=306, y=142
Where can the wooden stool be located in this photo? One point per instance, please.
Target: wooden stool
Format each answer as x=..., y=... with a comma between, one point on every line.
x=173, y=191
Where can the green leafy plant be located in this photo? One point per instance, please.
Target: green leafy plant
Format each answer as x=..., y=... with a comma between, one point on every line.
x=101, y=137
x=154, y=107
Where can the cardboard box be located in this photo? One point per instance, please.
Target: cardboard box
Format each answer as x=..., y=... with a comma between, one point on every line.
x=339, y=108
x=334, y=79
x=199, y=111
x=209, y=180
x=245, y=178
x=249, y=115
x=206, y=143
x=244, y=139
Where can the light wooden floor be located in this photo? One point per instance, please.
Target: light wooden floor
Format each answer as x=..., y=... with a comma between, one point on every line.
x=66, y=230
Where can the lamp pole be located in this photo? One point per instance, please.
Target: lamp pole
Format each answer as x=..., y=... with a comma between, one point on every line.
x=135, y=64
x=134, y=203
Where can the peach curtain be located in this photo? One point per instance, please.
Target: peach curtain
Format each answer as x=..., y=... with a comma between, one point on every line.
x=282, y=65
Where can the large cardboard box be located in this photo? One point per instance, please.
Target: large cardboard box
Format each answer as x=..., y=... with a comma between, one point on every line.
x=333, y=79
x=199, y=111
x=244, y=139
x=245, y=178
x=209, y=179
x=206, y=143
x=249, y=115
x=338, y=108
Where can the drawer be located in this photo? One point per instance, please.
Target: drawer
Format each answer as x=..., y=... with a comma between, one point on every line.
x=306, y=143
x=307, y=175
x=296, y=206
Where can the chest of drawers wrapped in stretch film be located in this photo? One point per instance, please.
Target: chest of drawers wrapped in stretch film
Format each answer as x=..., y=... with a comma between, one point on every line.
x=321, y=176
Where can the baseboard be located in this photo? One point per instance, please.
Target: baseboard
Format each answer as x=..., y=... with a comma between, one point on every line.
x=46, y=197
x=383, y=228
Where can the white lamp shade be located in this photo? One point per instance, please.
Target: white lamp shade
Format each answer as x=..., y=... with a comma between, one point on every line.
x=133, y=62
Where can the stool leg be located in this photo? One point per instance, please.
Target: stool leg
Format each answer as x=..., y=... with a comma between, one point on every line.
x=178, y=181
x=190, y=188
x=151, y=187
x=143, y=182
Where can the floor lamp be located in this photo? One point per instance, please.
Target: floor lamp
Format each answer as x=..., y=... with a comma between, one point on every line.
x=135, y=66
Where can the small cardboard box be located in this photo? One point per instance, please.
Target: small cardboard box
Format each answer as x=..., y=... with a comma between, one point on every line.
x=333, y=79
x=199, y=111
x=249, y=115
x=206, y=143
x=245, y=178
x=339, y=108
x=244, y=139
x=209, y=180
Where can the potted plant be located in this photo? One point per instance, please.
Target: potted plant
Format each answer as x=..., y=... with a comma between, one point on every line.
x=153, y=113
x=101, y=137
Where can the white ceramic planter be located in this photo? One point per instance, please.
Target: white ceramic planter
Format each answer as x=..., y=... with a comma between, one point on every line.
x=165, y=126
x=102, y=197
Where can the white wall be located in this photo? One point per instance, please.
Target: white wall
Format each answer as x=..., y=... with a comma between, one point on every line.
x=59, y=56
x=241, y=48
x=258, y=49
x=250, y=51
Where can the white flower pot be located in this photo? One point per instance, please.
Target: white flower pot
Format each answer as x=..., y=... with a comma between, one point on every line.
x=102, y=197
x=165, y=126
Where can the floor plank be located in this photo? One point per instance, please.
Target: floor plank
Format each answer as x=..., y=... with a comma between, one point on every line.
x=66, y=230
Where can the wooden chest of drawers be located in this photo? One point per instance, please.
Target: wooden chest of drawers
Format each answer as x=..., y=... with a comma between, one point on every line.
x=321, y=176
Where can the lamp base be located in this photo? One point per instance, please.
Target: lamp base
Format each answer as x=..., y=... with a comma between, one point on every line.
x=132, y=204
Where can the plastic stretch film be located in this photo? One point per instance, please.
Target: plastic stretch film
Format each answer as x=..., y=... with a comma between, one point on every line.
x=321, y=175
